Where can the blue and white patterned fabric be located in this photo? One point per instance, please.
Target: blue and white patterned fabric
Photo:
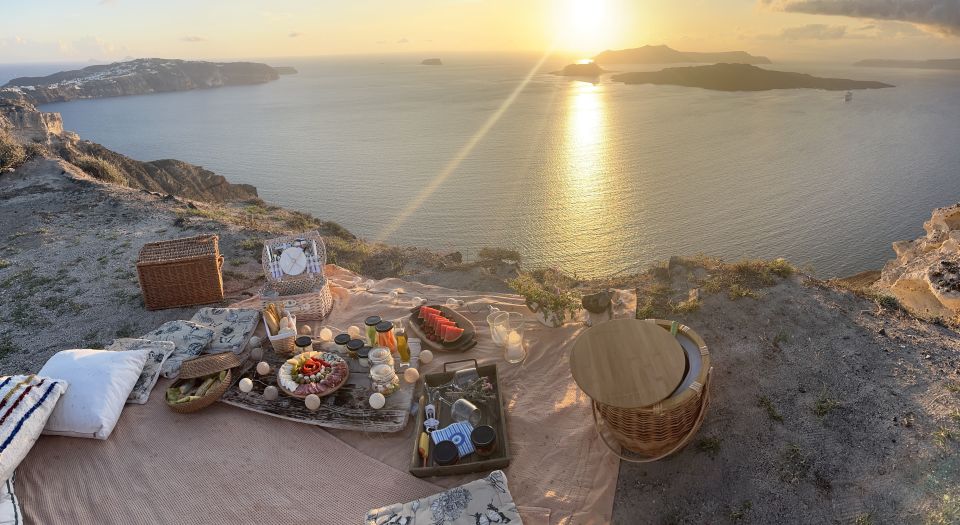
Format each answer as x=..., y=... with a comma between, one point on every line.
x=159, y=352
x=190, y=339
x=9, y=506
x=485, y=501
x=459, y=433
x=232, y=327
x=26, y=403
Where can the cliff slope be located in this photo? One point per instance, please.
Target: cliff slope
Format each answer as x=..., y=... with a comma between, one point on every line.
x=139, y=77
x=23, y=124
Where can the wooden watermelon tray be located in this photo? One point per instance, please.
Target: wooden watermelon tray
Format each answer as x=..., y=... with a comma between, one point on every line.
x=467, y=341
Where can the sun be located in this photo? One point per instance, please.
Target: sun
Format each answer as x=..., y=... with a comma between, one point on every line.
x=582, y=26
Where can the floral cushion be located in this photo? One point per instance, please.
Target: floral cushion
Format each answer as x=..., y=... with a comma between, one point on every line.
x=190, y=339
x=232, y=327
x=159, y=351
x=485, y=500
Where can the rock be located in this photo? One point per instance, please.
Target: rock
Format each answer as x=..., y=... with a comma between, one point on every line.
x=925, y=276
x=598, y=302
x=590, y=69
x=453, y=257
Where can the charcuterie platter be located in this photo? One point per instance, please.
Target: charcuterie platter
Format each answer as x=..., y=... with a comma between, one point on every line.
x=320, y=373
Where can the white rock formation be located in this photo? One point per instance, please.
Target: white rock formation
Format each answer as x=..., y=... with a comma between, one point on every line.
x=925, y=276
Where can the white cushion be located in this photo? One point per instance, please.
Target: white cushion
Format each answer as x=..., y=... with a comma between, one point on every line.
x=100, y=382
x=9, y=506
x=190, y=338
x=231, y=327
x=159, y=351
x=25, y=404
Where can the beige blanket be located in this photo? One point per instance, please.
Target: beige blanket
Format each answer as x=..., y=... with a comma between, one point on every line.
x=226, y=465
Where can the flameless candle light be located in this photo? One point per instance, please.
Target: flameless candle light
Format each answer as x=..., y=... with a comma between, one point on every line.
x=377, y=401
x=515, y=352
x=246, y=385
x=369, y=284
x=263, y=368
x=254, y=342
x=256, y=354
x=326, y=335
x=270, y=393
x=312, y=401
x=354, y=331
x=426, y=356
x=411, y=375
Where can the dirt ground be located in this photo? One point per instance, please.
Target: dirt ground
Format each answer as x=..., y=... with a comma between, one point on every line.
x=825, y=408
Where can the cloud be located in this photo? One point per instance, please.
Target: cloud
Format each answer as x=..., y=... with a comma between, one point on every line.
x=943, y=15
x=403, y=41
x=193, y=38
x=294, y=34
x=813, y=32
x=109, y=2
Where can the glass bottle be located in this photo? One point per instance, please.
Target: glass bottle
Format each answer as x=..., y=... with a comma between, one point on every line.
x=385, y=336
x=400, y=332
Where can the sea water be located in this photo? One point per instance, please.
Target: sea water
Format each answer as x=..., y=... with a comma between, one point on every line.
x=591, y=178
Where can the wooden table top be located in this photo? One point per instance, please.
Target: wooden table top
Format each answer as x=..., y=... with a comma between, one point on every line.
x=627, y=363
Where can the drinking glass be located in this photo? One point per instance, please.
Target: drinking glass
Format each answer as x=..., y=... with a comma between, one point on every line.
x=498, y=330
x=463, y=410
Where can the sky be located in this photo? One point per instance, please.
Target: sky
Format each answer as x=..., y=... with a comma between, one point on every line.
x=831, y=30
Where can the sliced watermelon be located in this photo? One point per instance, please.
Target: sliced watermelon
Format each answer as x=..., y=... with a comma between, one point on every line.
x=451, y=334
x=431, y=316
x=443, y=322
x=442, y=330
x=426, y=310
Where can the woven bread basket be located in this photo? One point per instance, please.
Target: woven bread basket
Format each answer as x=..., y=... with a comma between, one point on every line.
x=313, y=306
x=201, y=367
x=657, y=431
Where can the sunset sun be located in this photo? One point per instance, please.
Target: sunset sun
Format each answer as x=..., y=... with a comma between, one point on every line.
x=582, y=25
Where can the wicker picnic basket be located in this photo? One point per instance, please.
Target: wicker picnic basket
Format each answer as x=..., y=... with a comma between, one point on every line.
x=657, y=431
x=306, y=295
x=203, y=366
x=181, y=272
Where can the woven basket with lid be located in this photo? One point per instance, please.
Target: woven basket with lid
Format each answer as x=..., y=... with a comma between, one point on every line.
x=307, y=294
x=645, y=393
x=203, y=366
x=181, y=272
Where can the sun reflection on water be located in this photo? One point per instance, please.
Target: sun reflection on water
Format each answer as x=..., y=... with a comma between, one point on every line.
x=584, y=220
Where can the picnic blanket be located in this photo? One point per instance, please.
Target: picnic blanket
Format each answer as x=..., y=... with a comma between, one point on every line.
x=226, y=465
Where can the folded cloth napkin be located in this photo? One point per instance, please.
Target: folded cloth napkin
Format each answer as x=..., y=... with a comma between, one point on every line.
x=485, y=500
x=459, y=433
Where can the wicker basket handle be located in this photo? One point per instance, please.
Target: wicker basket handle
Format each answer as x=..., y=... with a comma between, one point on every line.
x=680, y=444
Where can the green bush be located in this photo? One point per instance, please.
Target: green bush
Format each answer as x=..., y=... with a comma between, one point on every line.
x=12, y=154
x=35, y=150
x=100, y=169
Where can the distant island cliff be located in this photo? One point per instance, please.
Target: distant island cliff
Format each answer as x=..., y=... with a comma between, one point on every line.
x=742, y=77
x=667, y=55
x=285, y=70
x=949, y=63
x=139, y=77
x=589, y=69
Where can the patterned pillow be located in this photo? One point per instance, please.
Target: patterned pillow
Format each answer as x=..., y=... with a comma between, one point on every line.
x=159, y=351
x=486, y=498
x=231, y=327
x=189, y=338
x=26, y=403
x=9, y=506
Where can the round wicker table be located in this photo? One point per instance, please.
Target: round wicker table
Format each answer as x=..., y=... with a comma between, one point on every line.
x=633, y=371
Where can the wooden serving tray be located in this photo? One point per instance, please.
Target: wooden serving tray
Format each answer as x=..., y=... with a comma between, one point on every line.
x=467, y=341
x=493, y=415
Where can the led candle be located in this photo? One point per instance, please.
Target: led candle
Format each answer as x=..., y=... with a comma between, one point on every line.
x=246, y=385
x=354, y=332
x=326, y=335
